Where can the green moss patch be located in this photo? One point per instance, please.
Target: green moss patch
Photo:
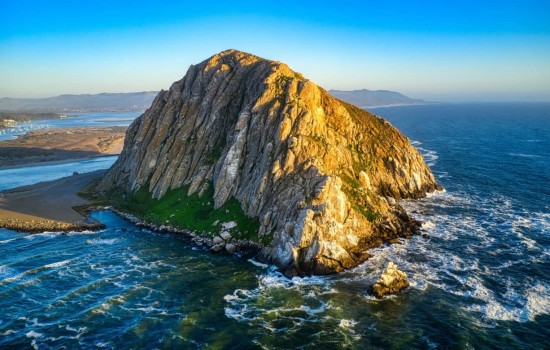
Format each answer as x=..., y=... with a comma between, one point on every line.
x=359, y=198
x=195, y=213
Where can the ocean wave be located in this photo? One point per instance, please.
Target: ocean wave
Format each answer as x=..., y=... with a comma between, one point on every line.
x=523, y=155
x=31, y=272
x=104, y=345
x=109, y=241
x=247, y=306
x=258, y=264
x=473, y=239
x=5, y=241
x=46, y=234
x=535, y=302
x=57, y=264
x=33, y=334
x=8, y=332
x=430, y=156
x=6, y=272
x=53, y=234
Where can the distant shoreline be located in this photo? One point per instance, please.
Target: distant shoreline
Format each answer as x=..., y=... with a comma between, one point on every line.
x=55, y=162
x=404, y=105
x=45, y=146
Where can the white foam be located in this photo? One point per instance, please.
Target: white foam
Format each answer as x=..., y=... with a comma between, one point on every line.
x=83, y=232
x=349, y=324
x=428, y=225
x=71, y=329
x=5, y=272
x=480, y=226
x=103, y=344
x=109, y=241
x=33, y=334
x=257, y=263
x=523, y=155
x=538, y=300
x=246, y=305
x=46, y=234
x=57, y=264
x=430, y=156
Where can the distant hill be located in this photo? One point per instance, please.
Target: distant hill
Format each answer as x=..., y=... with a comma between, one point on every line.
x=371, y=98
x=112, y=102
x=140, y=101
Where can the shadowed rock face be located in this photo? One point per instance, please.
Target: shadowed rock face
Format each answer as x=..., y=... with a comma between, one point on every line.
x=319, y=174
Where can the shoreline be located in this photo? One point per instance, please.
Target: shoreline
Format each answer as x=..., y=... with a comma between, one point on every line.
x=57, y=206
x=223, y=242
x=61, y=144
x=49, y=205
x=403, y=105
x=54, y=162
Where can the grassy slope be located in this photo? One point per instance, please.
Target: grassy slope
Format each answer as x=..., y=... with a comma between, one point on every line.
x=196, y=213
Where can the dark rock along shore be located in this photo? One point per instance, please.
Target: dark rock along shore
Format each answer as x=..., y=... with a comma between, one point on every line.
x=320, y=175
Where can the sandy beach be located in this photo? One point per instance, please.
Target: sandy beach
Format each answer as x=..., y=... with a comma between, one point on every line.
x=52, y=145
x=47, y=206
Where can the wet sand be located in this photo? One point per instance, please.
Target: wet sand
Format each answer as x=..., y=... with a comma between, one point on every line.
x=47, y=206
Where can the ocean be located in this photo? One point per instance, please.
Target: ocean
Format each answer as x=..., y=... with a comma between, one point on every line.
x=480, y=281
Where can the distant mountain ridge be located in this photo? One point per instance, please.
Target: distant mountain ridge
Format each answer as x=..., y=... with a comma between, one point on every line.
x=371, y=98
x=112, y=102
x=140, y=101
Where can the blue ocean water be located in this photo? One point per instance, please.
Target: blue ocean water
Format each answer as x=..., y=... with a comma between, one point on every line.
x=96, y=119
x=480, y=281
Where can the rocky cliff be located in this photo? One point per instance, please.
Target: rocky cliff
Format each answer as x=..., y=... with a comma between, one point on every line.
x=320, y=175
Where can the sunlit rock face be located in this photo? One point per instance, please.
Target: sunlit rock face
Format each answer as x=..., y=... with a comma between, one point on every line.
x=320, y=175
x=392, y=281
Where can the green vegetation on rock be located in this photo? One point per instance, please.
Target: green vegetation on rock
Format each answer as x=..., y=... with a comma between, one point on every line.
x=195, y=213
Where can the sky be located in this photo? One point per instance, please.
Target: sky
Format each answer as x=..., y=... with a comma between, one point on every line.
x=434, y=50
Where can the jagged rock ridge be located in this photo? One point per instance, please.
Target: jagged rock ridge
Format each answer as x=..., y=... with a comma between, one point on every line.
x=320, y=175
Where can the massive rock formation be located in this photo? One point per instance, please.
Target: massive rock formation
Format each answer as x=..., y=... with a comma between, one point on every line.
x=320, y=175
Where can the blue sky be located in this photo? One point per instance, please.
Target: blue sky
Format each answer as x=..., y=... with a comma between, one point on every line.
x=437, y=50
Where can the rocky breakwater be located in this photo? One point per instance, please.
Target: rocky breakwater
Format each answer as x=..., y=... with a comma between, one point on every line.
x=321, y=177
x=43, y=225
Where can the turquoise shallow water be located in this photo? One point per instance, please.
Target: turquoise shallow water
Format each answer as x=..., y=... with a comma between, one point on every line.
x=480, y=281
